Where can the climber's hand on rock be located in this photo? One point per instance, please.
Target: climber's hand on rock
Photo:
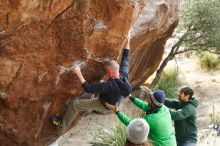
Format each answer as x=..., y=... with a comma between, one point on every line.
x=76, y=70
x=127, y=41
x=128, y=36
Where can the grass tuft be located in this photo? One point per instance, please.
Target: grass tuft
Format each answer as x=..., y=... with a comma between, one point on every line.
x=112, y=136
x=209, y=61
x=169, y=82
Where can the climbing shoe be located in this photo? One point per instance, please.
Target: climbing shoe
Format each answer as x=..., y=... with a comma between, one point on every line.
x=55, y=120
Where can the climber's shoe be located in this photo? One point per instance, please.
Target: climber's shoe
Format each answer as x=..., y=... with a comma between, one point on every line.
x=56, y=120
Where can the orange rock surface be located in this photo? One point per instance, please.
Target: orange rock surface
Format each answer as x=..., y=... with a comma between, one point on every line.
x=40, y=40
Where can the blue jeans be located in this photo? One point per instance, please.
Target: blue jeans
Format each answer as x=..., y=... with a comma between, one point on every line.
x=185, y=143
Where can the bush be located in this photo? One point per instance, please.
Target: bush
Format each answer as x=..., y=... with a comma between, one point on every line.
x=112, y=136
x=209, y=61
x=169, y=82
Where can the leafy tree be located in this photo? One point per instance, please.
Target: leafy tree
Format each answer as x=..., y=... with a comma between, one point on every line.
x=198, y=30
x=201, y=20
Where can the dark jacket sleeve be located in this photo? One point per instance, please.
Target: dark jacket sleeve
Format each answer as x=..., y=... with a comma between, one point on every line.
x=97, y=87
x=171, y=103
x=183, y=113
x=124, y=62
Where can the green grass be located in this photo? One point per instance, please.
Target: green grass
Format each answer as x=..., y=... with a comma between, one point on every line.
x=209, y=61
x=169, y=82
x=112, y=136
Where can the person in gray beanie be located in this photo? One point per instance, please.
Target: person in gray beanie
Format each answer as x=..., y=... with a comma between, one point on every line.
x=137, y=132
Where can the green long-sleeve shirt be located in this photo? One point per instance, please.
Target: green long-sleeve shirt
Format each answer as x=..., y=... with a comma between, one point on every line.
x=161, y=130
x=184, y=118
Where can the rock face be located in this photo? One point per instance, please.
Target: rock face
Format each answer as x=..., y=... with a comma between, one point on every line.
x=150, y=32
x=40, y=40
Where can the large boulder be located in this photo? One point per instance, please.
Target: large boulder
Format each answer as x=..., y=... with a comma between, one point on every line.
x=150, y=32
x=40, y=40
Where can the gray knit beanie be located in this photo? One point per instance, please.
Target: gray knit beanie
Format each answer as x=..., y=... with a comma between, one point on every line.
x=137, y=131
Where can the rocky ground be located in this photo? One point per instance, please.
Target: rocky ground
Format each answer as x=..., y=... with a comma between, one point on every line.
x=206, y=86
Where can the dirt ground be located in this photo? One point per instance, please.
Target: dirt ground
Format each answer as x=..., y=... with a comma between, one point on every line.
x=206, y=86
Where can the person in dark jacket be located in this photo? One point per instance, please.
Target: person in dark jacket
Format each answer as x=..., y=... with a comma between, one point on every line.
x=184, y=117
x=110, y=92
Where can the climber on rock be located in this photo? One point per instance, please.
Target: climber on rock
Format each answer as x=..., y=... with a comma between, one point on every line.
x=109, y=92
